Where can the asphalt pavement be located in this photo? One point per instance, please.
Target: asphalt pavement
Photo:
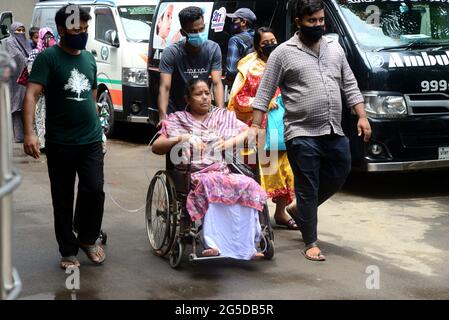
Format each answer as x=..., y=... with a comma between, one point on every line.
x=385, y=237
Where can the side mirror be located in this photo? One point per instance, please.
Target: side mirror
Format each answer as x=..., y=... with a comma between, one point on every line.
x=4, y=30
x=112, y=38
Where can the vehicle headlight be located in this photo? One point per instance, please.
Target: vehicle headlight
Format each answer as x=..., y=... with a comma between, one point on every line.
x=384, y=106
x=135, y=77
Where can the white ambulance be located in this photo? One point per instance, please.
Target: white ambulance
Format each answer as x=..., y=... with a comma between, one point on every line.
x=118, y=39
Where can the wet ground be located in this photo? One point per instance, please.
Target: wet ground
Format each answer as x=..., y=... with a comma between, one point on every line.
x=385, y=237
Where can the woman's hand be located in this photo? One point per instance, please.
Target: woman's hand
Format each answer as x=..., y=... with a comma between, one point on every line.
x=197, y=143
x=252, y=135
x=184, y=137
x=219, y=144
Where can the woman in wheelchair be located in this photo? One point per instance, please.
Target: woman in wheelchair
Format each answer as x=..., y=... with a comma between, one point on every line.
x=228, y=203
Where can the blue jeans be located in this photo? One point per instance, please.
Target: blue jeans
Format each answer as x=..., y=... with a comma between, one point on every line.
x=320, y=166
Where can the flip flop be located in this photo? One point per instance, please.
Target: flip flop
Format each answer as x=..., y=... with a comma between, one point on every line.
x=319, y=257
x=69, y=262
x=290, y=224
x=92, y=251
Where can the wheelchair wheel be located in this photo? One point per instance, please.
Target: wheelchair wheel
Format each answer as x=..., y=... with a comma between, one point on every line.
x=267, y=241
x=159, y=211
x=176, y=254
x=267, y=248
x=264, y=218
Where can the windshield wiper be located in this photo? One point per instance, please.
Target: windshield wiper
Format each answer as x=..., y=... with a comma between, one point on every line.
x=408, y=46
x=440, y=46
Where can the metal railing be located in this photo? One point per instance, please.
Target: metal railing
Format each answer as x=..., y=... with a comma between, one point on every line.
x=9, y=181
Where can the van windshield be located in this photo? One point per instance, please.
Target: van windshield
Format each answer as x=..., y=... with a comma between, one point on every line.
x=45, y=17
x=136, y=21
x=380, y=25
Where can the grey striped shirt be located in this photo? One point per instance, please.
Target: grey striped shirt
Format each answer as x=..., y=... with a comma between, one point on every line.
x=310, y=87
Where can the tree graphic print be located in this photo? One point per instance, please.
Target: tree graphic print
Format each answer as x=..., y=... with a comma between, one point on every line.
x=77, y=83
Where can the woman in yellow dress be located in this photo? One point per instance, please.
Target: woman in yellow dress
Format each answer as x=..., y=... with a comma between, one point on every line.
x=278, y=183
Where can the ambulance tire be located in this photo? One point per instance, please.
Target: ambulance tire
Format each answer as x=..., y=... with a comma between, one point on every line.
x=106, y=101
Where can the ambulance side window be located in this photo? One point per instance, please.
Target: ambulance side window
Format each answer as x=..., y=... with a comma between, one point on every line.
x=104, y=21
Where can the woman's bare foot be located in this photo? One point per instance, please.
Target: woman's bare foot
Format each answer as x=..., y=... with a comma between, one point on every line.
x=292, y=208
x=211, y=252
x=282, y=217
x=257, y=256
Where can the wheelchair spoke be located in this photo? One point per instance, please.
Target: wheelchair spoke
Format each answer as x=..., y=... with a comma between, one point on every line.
x=158, y=214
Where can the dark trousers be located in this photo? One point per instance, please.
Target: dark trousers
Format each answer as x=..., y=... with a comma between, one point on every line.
x=64, y=163
x=320, y=166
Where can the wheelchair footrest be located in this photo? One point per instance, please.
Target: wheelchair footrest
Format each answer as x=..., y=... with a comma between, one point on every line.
x=194, y=257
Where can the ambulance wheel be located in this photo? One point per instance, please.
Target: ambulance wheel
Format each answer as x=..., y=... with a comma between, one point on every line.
x=105, y=102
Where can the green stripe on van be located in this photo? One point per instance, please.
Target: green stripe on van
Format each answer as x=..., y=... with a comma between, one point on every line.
x=109, y=81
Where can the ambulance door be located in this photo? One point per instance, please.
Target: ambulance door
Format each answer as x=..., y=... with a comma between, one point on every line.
x=106, y=50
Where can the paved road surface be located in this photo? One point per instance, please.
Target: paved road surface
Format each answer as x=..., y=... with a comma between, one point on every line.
x=397, y=224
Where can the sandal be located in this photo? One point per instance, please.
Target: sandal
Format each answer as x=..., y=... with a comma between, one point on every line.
x=290, y=224
x=319, y=257
x=95, y=253
x=69, y=262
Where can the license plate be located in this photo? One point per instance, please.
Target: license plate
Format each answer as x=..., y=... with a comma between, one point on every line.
x=443, y=153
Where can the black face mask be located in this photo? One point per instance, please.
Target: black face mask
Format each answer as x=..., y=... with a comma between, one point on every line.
x=313, y=34
x=76, y=41
x=268, y=49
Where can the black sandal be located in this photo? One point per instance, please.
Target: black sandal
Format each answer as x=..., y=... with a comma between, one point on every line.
x=290, y=224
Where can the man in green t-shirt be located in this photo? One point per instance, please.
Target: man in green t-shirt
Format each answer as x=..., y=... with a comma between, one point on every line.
x=67, y=74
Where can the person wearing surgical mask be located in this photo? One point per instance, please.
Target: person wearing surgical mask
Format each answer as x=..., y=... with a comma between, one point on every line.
x=192, y=57
x=19, y=50
x=241, y=43
x=313, y=74
x=66, y=75
x=278, y=183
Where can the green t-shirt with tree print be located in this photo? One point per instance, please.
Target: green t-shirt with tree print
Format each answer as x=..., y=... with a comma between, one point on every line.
x=68, y=80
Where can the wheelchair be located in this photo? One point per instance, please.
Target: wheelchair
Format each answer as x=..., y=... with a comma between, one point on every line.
x=169, y=226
